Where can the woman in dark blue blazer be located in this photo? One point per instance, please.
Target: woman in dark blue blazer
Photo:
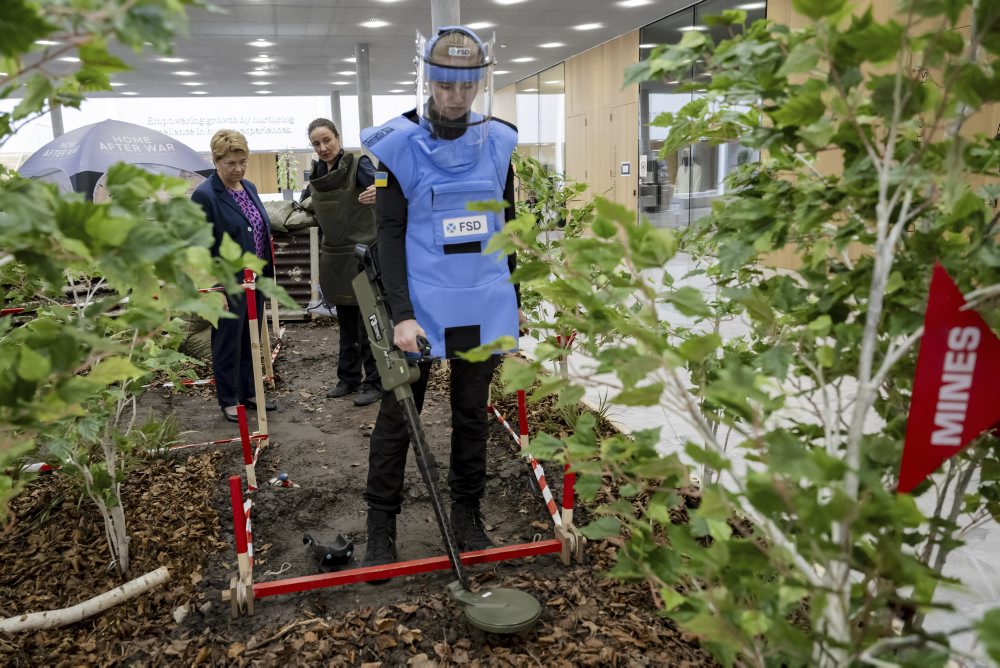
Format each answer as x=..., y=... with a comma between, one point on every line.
x=232, y=207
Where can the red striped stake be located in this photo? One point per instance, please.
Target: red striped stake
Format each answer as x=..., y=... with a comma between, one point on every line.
x=506, y=425
x=277, y=346
x=39, y=467
x=569, y=491
x=536, y=467
x=248, y=458
x=239, y=526
x=255, y=351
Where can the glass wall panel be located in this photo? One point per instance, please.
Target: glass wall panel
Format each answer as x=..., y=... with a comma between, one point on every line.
x=677, y=189
x=527, y=97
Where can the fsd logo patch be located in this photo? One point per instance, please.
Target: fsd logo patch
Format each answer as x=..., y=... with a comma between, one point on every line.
x=474, y=227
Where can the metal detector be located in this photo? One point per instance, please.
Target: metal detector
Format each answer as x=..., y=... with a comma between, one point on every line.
x=492, y=610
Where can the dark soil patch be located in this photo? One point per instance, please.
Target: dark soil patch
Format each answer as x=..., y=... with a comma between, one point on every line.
x=54, y=554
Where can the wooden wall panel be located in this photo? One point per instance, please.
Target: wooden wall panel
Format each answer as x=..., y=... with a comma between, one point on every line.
x=263, y=172
x=505, y=104
x=576, y=150
x=602, y=119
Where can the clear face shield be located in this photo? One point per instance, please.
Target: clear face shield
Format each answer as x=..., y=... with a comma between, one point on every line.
x=455, y=83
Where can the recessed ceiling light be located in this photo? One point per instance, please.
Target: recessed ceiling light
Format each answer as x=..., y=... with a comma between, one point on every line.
x=588, y=26
x=397, y=90
x=258, y=73
x=192, y=83
x=263, y=92
x=690, y=28
x=352, y=59
x=752, y=5
x=508, y=2
x=551, y=45
x=116, y=84
x=406, y=83
x=480, y=25
x=647, y=46
x=70, y=59
x=199, y=92
x=129, y=92
x=261, y=59
x=260, y=43
x=374, y=23
x=530, y=90
x=633, y=3
x=553, y=82
x=184, y=73
x=347, y=73
x=524, y=59
x=496, y=72
x=171, y=60
x=46, y=42
x=340, y=83
x=260, y=83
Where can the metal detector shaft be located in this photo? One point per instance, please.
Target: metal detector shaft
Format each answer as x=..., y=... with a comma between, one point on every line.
x=398, y=372
x=427, y=469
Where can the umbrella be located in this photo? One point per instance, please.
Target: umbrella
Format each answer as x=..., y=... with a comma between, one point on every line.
x=78, y=160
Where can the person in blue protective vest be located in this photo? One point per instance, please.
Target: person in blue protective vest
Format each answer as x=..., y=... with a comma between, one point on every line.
x=439, y=284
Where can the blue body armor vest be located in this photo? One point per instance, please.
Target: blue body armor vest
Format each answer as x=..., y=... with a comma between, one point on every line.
x=461, y=297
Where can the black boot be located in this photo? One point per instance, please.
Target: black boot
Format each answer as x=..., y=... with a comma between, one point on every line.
x=381, y=546
x=468, y=527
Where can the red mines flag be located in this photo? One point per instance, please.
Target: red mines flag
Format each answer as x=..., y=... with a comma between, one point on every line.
x=956, y=385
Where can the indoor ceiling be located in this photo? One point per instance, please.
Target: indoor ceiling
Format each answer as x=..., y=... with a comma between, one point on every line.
x=308, y=45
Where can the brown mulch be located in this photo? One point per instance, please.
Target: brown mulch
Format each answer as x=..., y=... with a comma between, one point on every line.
x=54, y=555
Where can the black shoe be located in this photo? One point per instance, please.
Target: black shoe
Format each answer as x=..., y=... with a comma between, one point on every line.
x=468, y=527
x=381, y=546
x=368, y=394
x=229, y=412
x=341, y=389
x=269, y=404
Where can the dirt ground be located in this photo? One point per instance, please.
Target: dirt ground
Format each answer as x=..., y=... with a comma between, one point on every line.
x=53, y=554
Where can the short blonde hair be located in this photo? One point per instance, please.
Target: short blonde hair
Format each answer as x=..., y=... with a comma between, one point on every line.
x=226, y=141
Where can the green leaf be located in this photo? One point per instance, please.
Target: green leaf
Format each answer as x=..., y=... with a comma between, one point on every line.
x=516, y=375
x=805, y=107
x=603, y=527
x=604, y=228
x=801, y=59
x=825, y=356
x=989, y=633
x=20, y=26
x=690, y=302
x=817, y=9
x=32, y=365
x=671, y=599
x=648, y=395
x=697, y=348
x=112, y=370
x=229, y=249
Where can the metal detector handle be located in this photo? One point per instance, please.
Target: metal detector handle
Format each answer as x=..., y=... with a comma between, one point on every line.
x=425, y=351
x=394, y=368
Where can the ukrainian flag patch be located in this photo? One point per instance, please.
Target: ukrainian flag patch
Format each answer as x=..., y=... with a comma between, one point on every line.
x=381, y=179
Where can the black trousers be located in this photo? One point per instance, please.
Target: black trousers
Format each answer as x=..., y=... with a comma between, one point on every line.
x=232, y=361
x=470, y=384
x=355, y=353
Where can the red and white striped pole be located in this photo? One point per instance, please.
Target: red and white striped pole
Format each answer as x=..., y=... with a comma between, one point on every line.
x=248, y=458
x=221, y=441
x=255, y=354
x=569, y=492
x=536, y=467
x=241, y=522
